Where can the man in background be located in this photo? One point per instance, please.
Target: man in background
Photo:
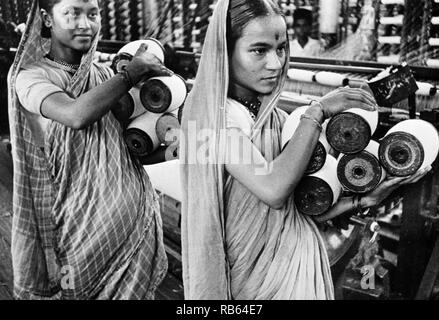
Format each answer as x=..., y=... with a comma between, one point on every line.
x=303, y=45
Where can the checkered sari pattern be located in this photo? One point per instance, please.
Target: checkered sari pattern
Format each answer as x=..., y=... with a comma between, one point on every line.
x=86, y=221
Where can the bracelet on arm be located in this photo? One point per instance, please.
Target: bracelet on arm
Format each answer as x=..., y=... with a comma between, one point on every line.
x=320, y=105
x=318, y=125
x=126, y=77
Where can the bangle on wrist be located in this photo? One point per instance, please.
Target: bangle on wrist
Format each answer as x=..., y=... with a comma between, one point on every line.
x=320, y=105
x=318, y=125
x=126, y=77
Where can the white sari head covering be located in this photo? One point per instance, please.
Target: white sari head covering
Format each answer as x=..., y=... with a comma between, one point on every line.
x=205, y=266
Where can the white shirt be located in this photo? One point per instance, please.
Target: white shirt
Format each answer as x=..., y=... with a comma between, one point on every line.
x=311, y=49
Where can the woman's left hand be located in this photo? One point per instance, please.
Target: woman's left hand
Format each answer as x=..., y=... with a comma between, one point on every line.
x=376, y=196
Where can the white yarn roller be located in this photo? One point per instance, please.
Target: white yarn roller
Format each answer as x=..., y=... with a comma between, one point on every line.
x=350, y=131
x=389, y=39
x=361, y=172
x=331, y=79
x=425, y=89
x=318, y=158
x=395, y=20
x=433, y=63
x=165, y=177
x=317, y=192
x=409, y=146
x=435, y=20
x=127, y=52
x=434, y=42
x=390, y=59
x=163, y=94
x=373, y=148
x=140, y=136
x=167, y=122
x=386, y=2
x=329, y=16
x=370, y=116
x=138, y=106
x=301, y=75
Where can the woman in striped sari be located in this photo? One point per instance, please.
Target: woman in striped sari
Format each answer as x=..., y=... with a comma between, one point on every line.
x=86, y=220
x=242, y=237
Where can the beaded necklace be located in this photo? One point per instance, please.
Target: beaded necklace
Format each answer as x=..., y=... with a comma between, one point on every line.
x=63, y=63
x=252, y=106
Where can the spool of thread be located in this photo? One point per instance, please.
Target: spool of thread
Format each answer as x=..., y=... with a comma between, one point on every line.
x=330, y=19
x=163, y=94
x=127, y=52
x=389, y=39
x=317, y=192
x=434, y=42
x=321, y=149
x=138, y=106
x=165, y=177
x=409, y=146
x=301, y=75
x=433, y=63
x=395, y=20
x=361, y=172
x=140, y=136
x=425, y=89
x=387, y=2
x=349, y=132
x=331, y=79
x=390, y=59
x=164, y=125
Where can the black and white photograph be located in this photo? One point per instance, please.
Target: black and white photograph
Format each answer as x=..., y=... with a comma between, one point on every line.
x=234, y=151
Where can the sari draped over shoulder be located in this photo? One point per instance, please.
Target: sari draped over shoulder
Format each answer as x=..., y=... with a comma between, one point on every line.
x=234, y=246
x=86, y=222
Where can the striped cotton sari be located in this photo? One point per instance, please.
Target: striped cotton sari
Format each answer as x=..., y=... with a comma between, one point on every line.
x=86, y=219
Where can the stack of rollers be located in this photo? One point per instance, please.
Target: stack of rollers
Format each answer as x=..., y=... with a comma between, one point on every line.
x=194, y=10
x=349, y=134
x=153, y=107
x=112, y=20
x=7, y=11
x=14, y=11
x=390, y=31
x=122, y=20
x=202, y=11
x=177, y=25
x=362, y=164
x=433, y=59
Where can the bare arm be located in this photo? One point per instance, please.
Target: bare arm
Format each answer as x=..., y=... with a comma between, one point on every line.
x=374, y=197
x=81, y=112
x=269, y=181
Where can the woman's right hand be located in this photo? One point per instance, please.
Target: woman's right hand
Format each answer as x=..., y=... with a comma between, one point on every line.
x=145, y=64
x=346, y=98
